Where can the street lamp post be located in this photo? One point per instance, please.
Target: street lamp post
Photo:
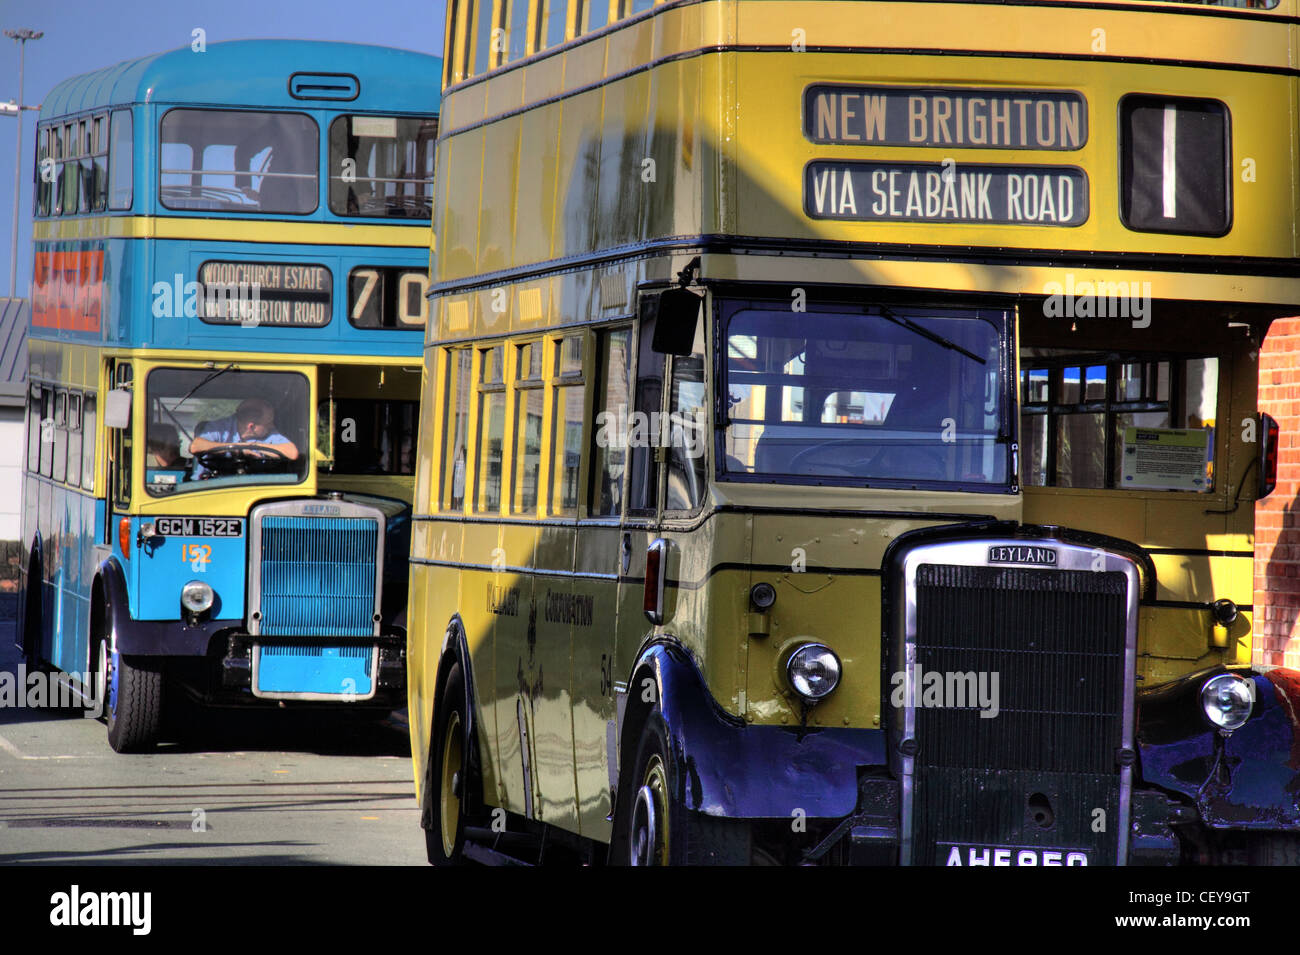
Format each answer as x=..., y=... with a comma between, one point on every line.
x=21, y=36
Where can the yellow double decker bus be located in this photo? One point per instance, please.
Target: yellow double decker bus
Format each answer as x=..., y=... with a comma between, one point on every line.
x=840, y=434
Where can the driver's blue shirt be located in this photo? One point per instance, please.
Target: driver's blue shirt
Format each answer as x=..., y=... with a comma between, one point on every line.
x=226, y=431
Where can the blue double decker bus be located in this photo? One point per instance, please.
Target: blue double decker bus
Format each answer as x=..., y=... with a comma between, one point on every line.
x=231, y=261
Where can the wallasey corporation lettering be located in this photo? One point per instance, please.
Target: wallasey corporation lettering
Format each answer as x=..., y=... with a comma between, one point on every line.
x=574, y=609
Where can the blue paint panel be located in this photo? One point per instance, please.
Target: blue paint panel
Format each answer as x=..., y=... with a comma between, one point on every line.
x=72, y=579
x=302, y=669
x=254, y=72
x=181, y=261
x=172, y=562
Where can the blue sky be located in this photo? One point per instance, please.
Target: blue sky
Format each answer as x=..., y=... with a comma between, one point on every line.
x=84, y=35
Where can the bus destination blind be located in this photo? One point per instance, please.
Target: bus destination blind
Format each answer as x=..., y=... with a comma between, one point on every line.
x=876, y=191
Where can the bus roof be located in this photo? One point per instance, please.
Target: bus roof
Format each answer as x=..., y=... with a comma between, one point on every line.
x=256, y=73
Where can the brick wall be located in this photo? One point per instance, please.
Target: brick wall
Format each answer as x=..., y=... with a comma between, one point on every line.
x=1277, y=536
x=11, y=553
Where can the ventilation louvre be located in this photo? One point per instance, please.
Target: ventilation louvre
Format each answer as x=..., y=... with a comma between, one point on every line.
x=327, y=86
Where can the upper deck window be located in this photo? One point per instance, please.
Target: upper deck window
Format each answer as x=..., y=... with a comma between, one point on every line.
x=596, y=14
x=866, y=396
x=120, y=161
x=516, y=41
x=83, y=166
x=382, y=166
x=239, y=161
x=552, y=24
x=485, y=24
x=43, y=189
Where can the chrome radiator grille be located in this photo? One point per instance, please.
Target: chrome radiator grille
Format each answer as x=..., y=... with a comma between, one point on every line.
x=1056, y=640
x=1033, y=757
x=315, y=575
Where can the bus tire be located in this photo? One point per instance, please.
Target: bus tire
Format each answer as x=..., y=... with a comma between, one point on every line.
x=444, y=840
x=655, y=828
x=31, y=632
x=652, y=830
x=134, y=704
x=1277, y=849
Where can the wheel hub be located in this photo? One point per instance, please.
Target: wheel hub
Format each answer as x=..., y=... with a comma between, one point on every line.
x=649, y=834
x=452, y=754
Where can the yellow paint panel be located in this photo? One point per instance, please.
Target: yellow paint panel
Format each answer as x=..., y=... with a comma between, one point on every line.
x=995, y=28
x=539, y=132
x=232, y=230
x=585, y=65
x=497, y=208
x=577, y=166
x=625, y=175
x=505, y=93
x=460, y=177
x=771, y=150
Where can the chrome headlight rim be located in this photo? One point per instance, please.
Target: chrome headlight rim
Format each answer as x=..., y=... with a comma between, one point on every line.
x=1227, y=701
x=800, y=672
x=197, y=597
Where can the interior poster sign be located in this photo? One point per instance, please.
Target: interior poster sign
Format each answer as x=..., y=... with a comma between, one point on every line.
x=1170, y=459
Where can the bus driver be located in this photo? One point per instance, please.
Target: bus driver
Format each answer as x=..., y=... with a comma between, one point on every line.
x=253, y=423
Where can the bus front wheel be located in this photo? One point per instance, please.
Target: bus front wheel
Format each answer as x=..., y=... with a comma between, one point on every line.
x=31, y=632
x=652, y=830
x=445, y=837
x=132, y=689
x=654, y=827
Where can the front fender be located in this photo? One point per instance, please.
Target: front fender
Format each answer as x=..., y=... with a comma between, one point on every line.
x=1248, y=780
x=454, y=649
x=150, y=637
x=726, y=767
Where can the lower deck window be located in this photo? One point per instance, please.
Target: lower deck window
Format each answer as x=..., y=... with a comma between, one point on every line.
x=866, y=395
x=213, y=428
x=1118, y=421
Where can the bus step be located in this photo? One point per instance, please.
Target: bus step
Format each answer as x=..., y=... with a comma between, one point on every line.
x=485, y=856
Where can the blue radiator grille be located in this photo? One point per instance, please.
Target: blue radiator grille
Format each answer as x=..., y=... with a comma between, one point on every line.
x=318, y=576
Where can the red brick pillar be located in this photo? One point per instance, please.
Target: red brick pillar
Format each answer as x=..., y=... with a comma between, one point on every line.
x=1277, y=536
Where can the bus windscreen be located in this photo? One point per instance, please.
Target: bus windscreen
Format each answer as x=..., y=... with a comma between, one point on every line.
x=866, y=395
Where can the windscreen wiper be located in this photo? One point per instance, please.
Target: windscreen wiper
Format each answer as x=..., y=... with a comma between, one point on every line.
x=216, y=374
x=924, y=332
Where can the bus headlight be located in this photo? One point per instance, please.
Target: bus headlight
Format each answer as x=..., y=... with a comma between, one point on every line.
x=814, y=671
x=1228, y=700
x=196, y=597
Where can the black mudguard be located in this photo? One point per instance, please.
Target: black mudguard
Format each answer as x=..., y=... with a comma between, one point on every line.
x=1248, y=780
x=171, y=638
x=729, y=768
